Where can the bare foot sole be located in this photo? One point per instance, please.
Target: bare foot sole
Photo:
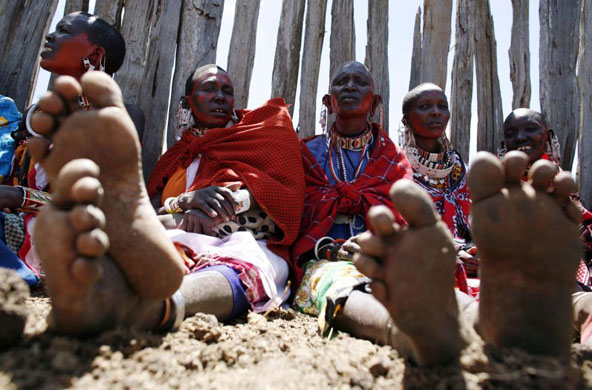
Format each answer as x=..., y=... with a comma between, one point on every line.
x=529, y=246
x=413, y=274
x=88, y=291
x=106, y=135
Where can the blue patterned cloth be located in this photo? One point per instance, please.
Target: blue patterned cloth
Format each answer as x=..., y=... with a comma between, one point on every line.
x=9, y=121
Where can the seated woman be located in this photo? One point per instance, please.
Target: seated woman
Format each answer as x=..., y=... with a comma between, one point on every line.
x=347, y=170
x=81, y=42
x=439, y=169
x=233, y=187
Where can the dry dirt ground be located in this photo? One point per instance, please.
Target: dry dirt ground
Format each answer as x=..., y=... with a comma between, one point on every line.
x=280, y=351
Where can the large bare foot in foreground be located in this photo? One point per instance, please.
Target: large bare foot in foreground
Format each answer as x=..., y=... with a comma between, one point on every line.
x=529, y=246
x=106, y=135
x=413, y=273
x=88, y=291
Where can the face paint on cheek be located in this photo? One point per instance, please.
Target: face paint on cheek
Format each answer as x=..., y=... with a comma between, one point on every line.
x=366, y=103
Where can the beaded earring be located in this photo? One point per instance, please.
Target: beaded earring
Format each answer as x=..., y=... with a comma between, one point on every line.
x=184, y=118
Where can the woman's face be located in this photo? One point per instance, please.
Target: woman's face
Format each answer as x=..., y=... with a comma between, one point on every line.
x=524, y=131
x=352, y=91
x=212, y=99
x=429, y=115
x=65, y=48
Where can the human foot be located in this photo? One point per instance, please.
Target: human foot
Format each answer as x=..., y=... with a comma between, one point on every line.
x=529, y=246
x=106, y=135
x=412, y=269
x=88, y=291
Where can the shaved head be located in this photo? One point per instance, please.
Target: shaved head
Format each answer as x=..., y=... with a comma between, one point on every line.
x=524, y=112
x=414, y=94
x=351, y=65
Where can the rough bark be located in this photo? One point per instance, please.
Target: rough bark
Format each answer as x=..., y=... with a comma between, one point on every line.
x=415, y=78
x=150, y=29
x=520, y=55
x=24, y=25
x=75, y=6
x=314, y=36
x=558, y=85
x=489, y=101
x=287, y=52
x=435, y=41
x=110, y=10
x=241, y=55
x=585, y=83
x=462, y=79
x=196, y=46
x=343, y=34
x=377, y=55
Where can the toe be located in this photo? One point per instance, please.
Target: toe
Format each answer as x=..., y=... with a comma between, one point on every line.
x=43, y=124
x=52, y=104
x=564, y=186
x=85, y=271
x=69, y=90
x=486, y=176
x=93, y=243
x=414, y=204
x=379, y=291
x=515, y=164
x=101, y=90
x=38, y=147
x=68, y=176
x=541, y=173
x=87, y=190
x=368, y=266
x=382, y=220
x=370, y=244
x=84, y=217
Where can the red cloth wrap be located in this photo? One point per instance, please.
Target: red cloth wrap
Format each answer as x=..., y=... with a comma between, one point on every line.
x=323, y=201
x=261, y=151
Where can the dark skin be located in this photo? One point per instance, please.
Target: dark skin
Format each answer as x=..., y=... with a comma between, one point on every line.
x=525, y=130
x=212, y=103
x=428, y=118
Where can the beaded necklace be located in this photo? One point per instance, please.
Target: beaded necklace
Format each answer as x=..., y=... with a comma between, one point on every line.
x=337, y=143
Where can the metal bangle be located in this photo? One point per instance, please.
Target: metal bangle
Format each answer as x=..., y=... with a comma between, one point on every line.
x=33, y=108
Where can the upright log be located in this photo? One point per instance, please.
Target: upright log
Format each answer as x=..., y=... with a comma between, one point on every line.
x=462, y=79
x=489, y=101
x=150, y=30
x=314, y=36
x=415, y=78
x=377, y=55
x=558, y=50
x=343, y=34
x=585, y=84
x=241, y=55
x=196, y=46
x=435, y=41
x=24, y=25
x=520, y=55
x=287, y=52
x=75, y=5
x=110, y=10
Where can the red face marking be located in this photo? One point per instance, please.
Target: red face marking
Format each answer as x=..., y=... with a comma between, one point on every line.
x=430, y=114
x=352, y=91
x=65, y=48
x=212, y=99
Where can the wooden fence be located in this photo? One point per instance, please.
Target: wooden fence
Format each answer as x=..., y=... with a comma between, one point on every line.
x=166, y=39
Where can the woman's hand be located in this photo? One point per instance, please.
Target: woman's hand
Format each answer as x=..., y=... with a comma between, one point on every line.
x=470, y=260
x=347, y=250
x=214, y=202
x=196, y=221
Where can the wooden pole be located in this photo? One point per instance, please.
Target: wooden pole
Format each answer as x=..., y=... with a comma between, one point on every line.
x=558, y=50
x=435, y=41
x=241, y=55
x=489, y=101
x=462, y=79
x=585, y=83
x=415, y=78
x=343, y=34
x=197, y=43
x=287, y=52
x=520, y=55
x=24, y=25
x=145, y=77
x=314, y=36
x=75, y=5
x=377, y=55
x=110, y=11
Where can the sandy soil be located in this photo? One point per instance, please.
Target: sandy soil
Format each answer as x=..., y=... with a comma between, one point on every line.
x=282, y=351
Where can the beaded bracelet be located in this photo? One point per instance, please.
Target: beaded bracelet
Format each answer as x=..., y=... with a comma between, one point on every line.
x=33, y=199
x=171, y=205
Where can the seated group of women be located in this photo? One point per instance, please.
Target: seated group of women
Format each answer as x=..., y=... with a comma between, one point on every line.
x=257, y=216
